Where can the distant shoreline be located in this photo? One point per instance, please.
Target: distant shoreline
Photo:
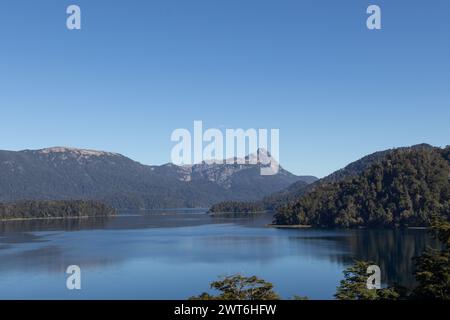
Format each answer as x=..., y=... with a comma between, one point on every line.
x=236, y=213
x=302, y=226
x=289, y=226
x=54, y=218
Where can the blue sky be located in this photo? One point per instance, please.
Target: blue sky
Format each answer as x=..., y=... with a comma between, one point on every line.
x=140, y=69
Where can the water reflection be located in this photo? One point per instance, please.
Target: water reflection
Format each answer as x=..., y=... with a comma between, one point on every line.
x=75, y=224
x=392, y=250
x=155, y=246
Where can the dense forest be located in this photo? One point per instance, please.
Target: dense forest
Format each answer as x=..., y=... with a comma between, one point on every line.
x=300, y=188
x=404, y=188
x=236, y=207
x=54, y=209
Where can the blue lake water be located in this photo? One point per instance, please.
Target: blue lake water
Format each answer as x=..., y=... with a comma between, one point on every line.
x=174, y=255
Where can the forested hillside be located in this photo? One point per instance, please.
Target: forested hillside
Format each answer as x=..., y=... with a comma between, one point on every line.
x=406, y=188
x=54, y=209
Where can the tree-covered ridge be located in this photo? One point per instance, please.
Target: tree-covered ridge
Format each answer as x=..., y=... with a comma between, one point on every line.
x=54, y=209
x=406, y=188
x=236, y=207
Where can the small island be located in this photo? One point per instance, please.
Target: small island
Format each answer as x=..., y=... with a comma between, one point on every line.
x=236, y=209
x=61, y=209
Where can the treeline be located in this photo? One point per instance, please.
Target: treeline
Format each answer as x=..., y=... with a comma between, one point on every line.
x=54, y=209
x=406, y=188
x=236, y=207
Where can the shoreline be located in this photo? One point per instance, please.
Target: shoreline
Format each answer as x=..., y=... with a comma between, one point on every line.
x=289, y=226
x=54, y=218
x=303, y=226
x=236, y=213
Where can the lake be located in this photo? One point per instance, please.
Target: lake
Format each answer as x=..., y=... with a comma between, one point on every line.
x=176, y=254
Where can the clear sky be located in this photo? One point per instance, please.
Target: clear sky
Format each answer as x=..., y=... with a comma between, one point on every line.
x=140, y=69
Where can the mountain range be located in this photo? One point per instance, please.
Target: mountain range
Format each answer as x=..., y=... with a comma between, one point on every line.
x=62, y=173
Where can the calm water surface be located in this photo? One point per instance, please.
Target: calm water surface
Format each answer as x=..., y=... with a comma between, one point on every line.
x=174, y=255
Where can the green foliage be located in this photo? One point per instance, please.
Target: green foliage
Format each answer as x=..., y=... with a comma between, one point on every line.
x=433, y=267
x=235, y=207
x=406, y=188
x=54, y=209
x=238, y=287
x=432, y=274
x=354, y=285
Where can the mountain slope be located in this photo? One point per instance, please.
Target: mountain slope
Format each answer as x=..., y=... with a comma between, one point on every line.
x=299, y=188
x=405, y=188
x=66, y=173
